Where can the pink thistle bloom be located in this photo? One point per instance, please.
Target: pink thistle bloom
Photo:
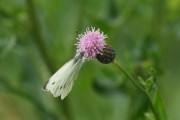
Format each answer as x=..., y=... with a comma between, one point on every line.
x=91, y=43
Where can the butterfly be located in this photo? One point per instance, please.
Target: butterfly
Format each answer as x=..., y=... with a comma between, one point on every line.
x=60, y=84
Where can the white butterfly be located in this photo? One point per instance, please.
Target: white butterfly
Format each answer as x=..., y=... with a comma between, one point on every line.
x=60, y=84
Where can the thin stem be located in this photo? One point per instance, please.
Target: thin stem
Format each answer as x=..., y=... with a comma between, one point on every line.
x=37, y=33
x=139, y=87
x=127, y=75
x=42, y=48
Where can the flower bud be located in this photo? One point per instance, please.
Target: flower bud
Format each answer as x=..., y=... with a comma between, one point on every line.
x=107, y=55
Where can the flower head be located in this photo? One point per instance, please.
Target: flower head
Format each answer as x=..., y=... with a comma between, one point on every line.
x=91, y=43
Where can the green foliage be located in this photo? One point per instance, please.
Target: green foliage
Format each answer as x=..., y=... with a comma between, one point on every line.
x=37, y=37
x=160, y=105
x=150, y=116
x=6, y=46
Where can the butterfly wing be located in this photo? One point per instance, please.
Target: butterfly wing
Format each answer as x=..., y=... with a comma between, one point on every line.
x=57, y=77
x=70, y=81
x=62, y=81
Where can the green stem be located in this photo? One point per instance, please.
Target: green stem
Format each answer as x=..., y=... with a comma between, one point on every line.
x=37, y=34
x=140, y=88
x=42, y=48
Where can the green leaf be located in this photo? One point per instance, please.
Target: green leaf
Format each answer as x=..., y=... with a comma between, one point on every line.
x=150, y=116
x=160, y=105
x=141, y=80
x=153, y=72
x=149, y=83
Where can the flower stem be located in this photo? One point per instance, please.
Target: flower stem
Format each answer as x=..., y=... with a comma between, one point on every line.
x=134, y=82
x=42, y=48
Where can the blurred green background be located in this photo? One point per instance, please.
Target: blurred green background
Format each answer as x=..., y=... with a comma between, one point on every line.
x=37, y=37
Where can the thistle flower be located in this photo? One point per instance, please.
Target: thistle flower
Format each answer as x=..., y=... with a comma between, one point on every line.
x=91, y=45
